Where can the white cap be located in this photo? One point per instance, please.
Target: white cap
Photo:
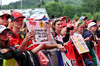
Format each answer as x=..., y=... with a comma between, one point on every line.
x=91, y=24
x=2, y=28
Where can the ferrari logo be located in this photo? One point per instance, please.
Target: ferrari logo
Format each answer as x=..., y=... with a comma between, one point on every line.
x=17, y=13
x=41, y=24
x=22, y=36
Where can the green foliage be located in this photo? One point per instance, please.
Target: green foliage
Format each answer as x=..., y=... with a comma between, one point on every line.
x=56, y=0
x=97, y=7
x=89, y=15
x=75, y=17
x=54, y=8
x=68, y=11
x=83, y=13
x=96, y=16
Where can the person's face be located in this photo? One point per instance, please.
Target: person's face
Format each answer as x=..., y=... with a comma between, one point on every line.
x=58, y=26
x=4, y=35
x=72, y=32
x=63, y=20
x=85, y=20
x=18, y=23
x=63, y=31
x=94, y=28
x=3, y=20
x=80, y=29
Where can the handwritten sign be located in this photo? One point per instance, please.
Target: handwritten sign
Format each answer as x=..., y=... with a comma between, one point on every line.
x=79, y=43
x=40, y=31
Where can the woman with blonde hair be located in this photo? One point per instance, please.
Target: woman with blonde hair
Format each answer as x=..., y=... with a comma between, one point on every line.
x=93, y=41
x=79, y=26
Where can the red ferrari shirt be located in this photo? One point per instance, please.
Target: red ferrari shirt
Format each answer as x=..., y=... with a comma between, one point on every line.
x=16, y=40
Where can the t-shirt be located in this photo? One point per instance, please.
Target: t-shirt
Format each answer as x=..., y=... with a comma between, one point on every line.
x=16, y=40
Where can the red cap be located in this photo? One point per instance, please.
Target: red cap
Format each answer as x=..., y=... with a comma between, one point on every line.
x=16, y=15
x=98, y=23
x=88, y=22
x=64, y=24
x=63, y=17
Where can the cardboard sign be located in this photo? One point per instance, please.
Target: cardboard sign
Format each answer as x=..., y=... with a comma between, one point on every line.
x=79, y=43
x=40, y=30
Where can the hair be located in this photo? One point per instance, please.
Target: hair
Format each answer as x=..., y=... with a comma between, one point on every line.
x=77, y=19
x=54, y=23
x=7, y=44
x=78, y=24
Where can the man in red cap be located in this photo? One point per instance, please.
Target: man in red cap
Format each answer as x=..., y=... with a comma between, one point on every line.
x=20, y=39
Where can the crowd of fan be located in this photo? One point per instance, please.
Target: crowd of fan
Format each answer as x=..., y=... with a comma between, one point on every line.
x=17, y=48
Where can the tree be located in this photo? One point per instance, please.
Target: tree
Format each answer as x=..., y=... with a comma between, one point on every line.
x=43, y=3
x=97, y=6
x=56, y=0
x=96, y=15
x=89, y=15
x=69, y=11
x=88, y=6
x=75, y=17
x=54, y=8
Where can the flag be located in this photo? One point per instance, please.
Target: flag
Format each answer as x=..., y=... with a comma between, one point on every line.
x=21, y=4
x=41, y=1
x=0, y=2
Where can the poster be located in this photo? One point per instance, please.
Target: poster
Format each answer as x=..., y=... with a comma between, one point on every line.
x=79, y=43
x=40, y=30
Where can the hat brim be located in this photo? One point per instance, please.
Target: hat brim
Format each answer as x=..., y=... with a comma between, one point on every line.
x=85, y=17
x=7, y=29
x=7, y=15
x=64, y=17
x=18, y=17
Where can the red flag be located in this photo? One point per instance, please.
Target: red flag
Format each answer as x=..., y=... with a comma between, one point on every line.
x=41, y=1
x=0, y=2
